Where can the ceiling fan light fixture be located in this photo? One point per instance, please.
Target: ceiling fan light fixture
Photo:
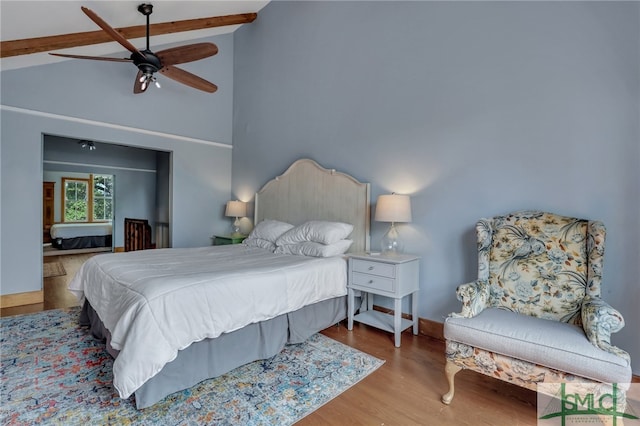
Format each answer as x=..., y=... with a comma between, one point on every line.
x=87, y=144
x=146, y=79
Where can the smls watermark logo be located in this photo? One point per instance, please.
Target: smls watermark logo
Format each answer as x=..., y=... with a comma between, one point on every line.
x=587, y=403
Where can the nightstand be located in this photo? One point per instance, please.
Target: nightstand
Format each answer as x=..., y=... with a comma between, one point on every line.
x=223, y=240
x=394, y=276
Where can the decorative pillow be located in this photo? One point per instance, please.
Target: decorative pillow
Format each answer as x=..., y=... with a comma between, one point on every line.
x=310, y=248
x=269, y=230
x=318, y=231
x=260, y=243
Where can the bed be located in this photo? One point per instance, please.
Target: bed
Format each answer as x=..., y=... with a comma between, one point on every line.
x=68, y=236
x=255, y=297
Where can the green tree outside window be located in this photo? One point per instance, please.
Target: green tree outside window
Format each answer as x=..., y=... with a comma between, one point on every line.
x=88, y=200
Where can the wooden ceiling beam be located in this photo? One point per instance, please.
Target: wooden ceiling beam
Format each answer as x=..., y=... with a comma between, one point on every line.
x=45, y=44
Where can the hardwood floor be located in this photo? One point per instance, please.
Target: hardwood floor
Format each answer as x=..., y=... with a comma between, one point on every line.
x=405, y=391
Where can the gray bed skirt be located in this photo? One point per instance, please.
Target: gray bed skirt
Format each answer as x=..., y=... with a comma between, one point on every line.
x=82, y=242
x=214, y=357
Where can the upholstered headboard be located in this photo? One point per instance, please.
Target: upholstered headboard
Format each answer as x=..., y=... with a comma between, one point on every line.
x=307, y=191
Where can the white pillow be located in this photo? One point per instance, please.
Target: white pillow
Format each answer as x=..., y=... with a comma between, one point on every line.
x=310, y=248
x=260, y=243
x=318, y=231
x=269, y=230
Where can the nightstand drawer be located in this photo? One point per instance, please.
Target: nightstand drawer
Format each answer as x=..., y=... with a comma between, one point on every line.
x=373, y=282
x=375, y=268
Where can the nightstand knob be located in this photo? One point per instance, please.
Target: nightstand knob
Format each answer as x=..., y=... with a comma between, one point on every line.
x=370, y=281
x=371, y=268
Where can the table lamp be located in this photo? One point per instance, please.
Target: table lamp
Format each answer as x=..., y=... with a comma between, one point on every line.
x=236, y=209
x=393, y=208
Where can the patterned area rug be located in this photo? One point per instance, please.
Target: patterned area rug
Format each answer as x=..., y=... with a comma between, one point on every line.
x=52, y=269
x=54, y=372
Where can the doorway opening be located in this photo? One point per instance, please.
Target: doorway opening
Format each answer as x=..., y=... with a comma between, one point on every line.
x=89, y=183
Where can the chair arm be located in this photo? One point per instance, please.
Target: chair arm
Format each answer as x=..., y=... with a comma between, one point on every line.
x=474, y=297
x=599, y=321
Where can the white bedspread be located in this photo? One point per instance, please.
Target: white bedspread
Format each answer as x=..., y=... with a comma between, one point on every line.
x=156, y=302
x=73, y=230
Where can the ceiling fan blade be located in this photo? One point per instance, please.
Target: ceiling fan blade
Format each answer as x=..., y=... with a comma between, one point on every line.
x=95, y=58
x=138, y=87
x=188, y=53
x=185, y=77
x=109, y=30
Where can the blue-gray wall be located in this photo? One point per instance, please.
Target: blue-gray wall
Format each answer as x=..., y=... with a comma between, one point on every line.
x=472, y=108
x=93, y=100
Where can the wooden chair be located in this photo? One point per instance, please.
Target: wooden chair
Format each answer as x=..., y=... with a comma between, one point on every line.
x=137, y=234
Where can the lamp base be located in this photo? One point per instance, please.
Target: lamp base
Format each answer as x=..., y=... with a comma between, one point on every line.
x=391, y=243
x=236, y=227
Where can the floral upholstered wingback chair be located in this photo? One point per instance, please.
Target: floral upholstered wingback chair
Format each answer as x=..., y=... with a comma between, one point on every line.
x=535, y=314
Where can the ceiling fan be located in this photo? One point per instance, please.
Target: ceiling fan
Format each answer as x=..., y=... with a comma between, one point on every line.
x=149, y=63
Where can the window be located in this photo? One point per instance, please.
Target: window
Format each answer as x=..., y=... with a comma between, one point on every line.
x=102, y=197
x=76, y=196
x=87, y=200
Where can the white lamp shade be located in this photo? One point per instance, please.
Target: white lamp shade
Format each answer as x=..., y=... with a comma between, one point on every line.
x=393, y=208
x=236, y=209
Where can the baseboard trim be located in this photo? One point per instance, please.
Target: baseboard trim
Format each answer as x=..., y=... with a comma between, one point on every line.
x=118, y=250
x=431, y=328
x=19, y=299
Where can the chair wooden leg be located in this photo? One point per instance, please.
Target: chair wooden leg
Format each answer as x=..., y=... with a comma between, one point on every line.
x=450, y=370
